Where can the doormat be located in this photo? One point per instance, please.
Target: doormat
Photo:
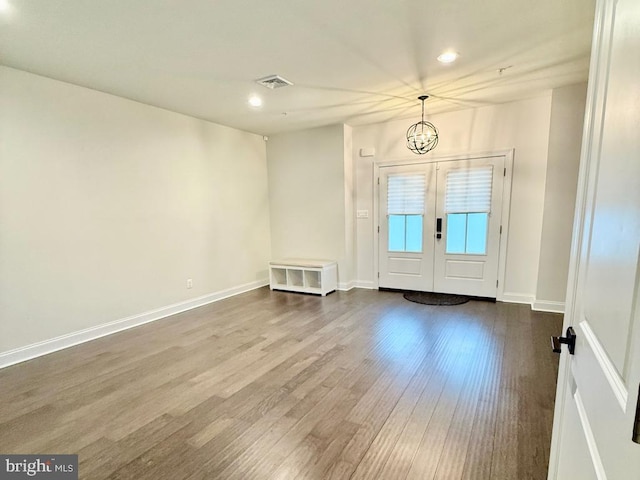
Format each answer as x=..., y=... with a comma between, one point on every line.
x=430, y=298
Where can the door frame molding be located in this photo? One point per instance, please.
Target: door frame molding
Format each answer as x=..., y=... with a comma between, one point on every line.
x=506, y=203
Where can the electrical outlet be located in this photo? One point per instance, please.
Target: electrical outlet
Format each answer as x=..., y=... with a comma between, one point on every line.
x=189, y=283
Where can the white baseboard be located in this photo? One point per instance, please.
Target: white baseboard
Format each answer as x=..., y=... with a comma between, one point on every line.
x=512, y=297
x=45, y=347
x=365, y=284
x=346, y=286
x=537, y=305
x=548, y=306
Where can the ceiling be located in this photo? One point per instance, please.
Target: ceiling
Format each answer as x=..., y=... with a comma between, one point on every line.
x=351, y=61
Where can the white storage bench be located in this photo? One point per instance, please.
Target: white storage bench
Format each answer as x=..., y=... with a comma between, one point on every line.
x=302, y=275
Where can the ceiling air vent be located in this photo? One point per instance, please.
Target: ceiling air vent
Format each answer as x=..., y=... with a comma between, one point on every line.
x=273, y=82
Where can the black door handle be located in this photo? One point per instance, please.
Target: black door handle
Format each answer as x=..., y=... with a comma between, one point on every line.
x=438, y=228
x=569, y=340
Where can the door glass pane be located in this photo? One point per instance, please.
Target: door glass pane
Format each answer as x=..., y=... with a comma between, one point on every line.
x=396, y=233
x=477, y=233
x=456, y=232
x=467, y=233
x=414, y=233
x=405, y=233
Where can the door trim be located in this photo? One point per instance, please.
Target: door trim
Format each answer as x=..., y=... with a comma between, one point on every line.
x=506, y=204
x=590, y=438
x=608, y=369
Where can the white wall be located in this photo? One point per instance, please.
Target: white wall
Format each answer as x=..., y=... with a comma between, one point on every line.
x=107, y=206
x=309, y=192
x=522, y=125
x=565, y=137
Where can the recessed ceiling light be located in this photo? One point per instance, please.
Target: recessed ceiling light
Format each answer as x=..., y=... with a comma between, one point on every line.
x=448, y=57
x=254, y=100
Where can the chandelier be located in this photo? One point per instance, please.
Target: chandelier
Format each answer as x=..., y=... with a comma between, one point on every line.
x=422, y=137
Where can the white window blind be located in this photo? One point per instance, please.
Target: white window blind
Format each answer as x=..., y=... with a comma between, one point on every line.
x=405, y=194
x=469, y=190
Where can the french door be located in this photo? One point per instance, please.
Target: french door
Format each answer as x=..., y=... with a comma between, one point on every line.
x=407, y=230
x=440, y=226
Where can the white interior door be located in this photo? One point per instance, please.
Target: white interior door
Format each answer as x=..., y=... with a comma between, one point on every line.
x=463, y=256
x=597, y=416
x=469, y=212
x=407, y=207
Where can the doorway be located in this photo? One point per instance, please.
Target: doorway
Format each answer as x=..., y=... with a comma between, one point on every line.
x=440, y=225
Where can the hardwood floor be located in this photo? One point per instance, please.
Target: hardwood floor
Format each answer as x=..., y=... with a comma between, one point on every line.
x=273, y=385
